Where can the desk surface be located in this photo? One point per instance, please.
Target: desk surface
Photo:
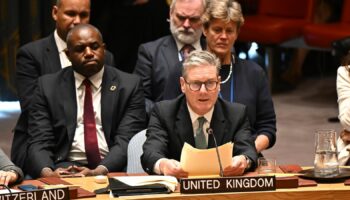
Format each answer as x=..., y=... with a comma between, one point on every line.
x=322, y=191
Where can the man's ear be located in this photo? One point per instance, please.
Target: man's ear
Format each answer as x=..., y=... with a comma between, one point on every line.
x=54, y=12
x=182, y=84
x=219, y=84
x=205, y=31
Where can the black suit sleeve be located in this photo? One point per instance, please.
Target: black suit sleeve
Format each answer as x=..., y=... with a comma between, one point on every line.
x=144, y=69
x=156, y=145
x=133, y=120
x=109, y=59
x=42, y=140
x=243, y=141
x=27, y=74
x=265, y=114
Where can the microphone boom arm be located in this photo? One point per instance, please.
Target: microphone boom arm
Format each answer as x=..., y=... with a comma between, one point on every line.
x=210, y=132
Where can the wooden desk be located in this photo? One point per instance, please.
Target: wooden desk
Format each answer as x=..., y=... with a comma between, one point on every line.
x=322, y=191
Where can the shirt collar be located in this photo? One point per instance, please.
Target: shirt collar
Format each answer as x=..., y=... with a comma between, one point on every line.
x=61, y=44
x=96, y=79
x=194, y=116
x=196, y=45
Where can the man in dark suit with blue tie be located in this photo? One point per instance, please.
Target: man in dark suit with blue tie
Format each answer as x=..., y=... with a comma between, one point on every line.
x=41, y=57
x=84, y=115
x=174, y=122
x=157, y=58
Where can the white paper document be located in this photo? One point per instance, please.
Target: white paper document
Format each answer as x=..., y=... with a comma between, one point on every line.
x=169, y=181
x=204, y=162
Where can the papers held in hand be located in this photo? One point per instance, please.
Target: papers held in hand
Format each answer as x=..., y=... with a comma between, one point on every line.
x=138, y=185
x=204, y=162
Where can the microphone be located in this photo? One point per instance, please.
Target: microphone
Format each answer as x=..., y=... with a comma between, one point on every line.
x=211, y=132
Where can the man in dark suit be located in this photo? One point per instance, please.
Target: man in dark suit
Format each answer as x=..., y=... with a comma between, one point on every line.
x=174, y=122
x=85, y=102
x=41, y=57
x=156, y=58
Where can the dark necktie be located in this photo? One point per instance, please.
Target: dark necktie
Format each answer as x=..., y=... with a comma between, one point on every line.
x=90, y=135
x=201, y=142
x=186, y=50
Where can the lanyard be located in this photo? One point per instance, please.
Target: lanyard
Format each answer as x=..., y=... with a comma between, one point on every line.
x=232, y=90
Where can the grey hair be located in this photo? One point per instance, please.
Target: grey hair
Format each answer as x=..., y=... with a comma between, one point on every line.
x=198, y=58
x=227, y=10
x=173, y=2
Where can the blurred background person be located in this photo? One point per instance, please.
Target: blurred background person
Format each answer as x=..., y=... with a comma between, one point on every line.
x=343, y=91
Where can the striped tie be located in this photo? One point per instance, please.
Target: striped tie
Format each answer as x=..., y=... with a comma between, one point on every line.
x=201, y=142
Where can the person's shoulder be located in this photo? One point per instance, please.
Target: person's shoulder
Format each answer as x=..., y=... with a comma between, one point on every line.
x=231, y=107
x=169, y=107
x=52, y=77
x=37, y=44
x=343, y=69
x=249, y=65
x=156, y=43
x=123, y=76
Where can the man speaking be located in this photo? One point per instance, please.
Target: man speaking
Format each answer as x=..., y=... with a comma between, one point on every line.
x=185, y=119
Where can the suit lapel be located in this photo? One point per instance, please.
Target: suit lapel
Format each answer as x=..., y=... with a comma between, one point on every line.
x=183, y=124
x=109, y=98
x=218, y=124
x=67, y=87
x=170, y=52
x=52, y=59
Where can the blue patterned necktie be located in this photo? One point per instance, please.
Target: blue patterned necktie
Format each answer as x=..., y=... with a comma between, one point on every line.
x=201, y=142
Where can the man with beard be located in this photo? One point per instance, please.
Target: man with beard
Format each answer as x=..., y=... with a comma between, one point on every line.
x=157, y=58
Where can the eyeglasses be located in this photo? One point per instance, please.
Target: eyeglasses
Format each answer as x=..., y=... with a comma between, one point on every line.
x=196, y=86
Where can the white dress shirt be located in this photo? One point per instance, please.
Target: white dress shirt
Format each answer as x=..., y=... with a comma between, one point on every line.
x=77, y=152
x=343, y=90
x=194, y=119
x=61, y=46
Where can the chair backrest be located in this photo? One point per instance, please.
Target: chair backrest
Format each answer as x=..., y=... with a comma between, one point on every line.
x=302, y=9
x=346, y=12
x=135, y=152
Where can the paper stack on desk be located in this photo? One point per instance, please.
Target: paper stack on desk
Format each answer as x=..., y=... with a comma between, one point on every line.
x=168, y=181
x=204, y=162
x=141, y=185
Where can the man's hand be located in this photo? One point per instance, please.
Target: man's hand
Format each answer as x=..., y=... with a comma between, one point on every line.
x=237, y=167
x=345, y=136
x=7, y=177
x=84, y=171
x=47, y=172
x=172, y=168
x=261, y=143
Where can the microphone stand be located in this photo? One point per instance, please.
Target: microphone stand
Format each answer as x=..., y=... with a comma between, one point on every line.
x=211, y=132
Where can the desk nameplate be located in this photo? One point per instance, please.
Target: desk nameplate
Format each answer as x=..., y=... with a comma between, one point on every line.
x=49, y=194
x=227, y=184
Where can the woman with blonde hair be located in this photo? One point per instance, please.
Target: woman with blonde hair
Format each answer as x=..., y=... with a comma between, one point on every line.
x=242, y=81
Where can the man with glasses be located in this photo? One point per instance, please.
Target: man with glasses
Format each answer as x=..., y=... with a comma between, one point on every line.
x=157, y=58
x=174, y=122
